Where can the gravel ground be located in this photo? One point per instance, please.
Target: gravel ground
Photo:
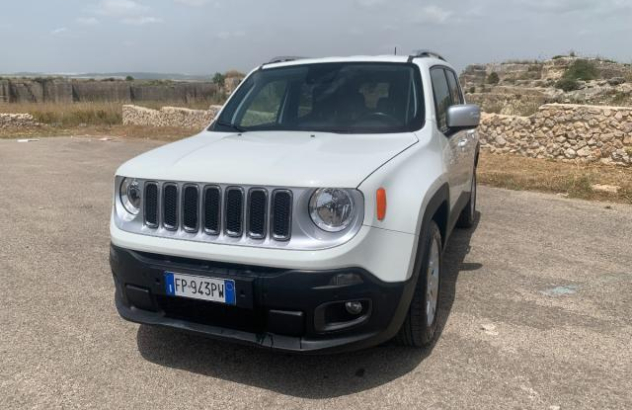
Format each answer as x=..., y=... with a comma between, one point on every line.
x=536, y=310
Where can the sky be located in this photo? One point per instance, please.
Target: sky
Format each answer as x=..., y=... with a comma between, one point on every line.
x=205, y=36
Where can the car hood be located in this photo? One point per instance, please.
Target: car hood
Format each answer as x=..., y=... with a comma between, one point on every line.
x=289, y=159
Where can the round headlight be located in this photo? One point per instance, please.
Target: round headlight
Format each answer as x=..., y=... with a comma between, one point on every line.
x=130, y=195
x=331, y=209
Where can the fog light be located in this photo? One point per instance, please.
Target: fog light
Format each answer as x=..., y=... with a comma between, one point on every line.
x=353, y=308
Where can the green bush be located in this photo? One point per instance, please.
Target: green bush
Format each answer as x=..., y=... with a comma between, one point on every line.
x=219, y=79
x=493, y=78
x=129, y=78
x=567, y=84
x=582, y=70
x=472, y=90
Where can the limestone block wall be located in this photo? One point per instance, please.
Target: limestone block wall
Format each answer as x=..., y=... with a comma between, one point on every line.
x=67, y=91
x=579, y=133
x=169, y=117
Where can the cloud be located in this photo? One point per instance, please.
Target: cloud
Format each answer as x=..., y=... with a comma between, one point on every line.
x=433, y=15
x=604, y=7
x=87, y=21
x=59, y=31
x=120, y=8
x=225, y=35
x=370, y=3
x=141, y=21
x=193, y=3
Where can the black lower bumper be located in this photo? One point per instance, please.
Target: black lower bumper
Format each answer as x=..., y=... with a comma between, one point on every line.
x=291, y=310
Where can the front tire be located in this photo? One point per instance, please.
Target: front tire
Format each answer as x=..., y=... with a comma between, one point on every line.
x=468, y=215
x=420, y=326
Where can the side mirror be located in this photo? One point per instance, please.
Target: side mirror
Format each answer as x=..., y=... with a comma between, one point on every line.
x=463, y=117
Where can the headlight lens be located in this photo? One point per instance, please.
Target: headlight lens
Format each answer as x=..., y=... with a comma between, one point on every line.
x=130, y=195
x=331, y=209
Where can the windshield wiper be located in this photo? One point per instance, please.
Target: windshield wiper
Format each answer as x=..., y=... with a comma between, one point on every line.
x=228, y=125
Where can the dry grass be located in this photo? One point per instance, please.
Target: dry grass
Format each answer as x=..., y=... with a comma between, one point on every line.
x=574, y=180
x=91, y=119
x=69, y=115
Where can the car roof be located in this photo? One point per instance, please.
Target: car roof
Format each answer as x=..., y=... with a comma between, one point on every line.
x=429, y=61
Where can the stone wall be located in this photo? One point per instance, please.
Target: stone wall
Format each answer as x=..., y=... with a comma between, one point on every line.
x=169, y=117
x=14, y=121
x=579, y=133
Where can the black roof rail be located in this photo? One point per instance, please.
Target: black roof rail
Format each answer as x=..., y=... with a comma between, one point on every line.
x=425, y=54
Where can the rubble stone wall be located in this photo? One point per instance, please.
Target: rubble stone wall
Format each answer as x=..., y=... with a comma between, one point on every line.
x=14, y=121
x=571, y=133
x=169, y=117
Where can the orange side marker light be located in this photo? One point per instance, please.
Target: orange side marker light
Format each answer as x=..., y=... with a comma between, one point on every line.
x=381, y=204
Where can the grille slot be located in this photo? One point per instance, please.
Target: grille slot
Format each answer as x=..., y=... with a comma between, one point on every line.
x=170, y=207
x=151, y=205
x=257, y=213
x=212, y=209
x=190, y=208
x=281, y=215
x=234, y=209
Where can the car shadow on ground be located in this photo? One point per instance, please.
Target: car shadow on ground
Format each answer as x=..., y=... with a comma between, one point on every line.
x=312, y=377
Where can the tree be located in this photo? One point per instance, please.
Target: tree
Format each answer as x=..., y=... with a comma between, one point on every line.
x=219, y=78
x=129, y=78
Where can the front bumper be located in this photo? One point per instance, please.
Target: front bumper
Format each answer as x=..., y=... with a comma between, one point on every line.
x=283, y=309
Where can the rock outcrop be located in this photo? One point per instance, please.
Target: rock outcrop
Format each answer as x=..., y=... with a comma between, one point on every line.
x=520, y=87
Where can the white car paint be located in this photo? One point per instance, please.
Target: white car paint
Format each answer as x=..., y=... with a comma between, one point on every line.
x=411, y=167
x=288, y=158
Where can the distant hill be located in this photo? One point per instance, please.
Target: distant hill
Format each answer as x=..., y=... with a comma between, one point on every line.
x=118, y=75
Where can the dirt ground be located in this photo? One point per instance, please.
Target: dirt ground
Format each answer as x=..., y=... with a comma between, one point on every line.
x=535, y=312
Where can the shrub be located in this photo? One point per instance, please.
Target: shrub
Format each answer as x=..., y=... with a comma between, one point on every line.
x=557, y=57
x=129, y=78
x=472, y=90
x=567, y=84
x=493, y=78
x=219, y=78
x=582, y=70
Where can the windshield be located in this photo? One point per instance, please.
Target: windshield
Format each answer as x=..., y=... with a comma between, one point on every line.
x=340, y=97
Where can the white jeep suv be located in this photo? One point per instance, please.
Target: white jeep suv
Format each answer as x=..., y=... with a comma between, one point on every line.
x=311, y=216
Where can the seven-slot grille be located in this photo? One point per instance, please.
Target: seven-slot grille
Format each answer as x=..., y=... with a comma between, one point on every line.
x=233, y=211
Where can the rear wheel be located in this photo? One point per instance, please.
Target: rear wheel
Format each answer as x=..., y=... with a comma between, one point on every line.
x=468, y=215
x=420, y=325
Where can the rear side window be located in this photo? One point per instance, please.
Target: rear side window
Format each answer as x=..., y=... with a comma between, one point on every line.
x=455, y=90
x=442, y=97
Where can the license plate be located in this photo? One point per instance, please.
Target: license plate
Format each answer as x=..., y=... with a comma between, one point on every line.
x=201, y=288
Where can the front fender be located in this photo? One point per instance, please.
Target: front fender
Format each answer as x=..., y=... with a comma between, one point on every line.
x=413, y=180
